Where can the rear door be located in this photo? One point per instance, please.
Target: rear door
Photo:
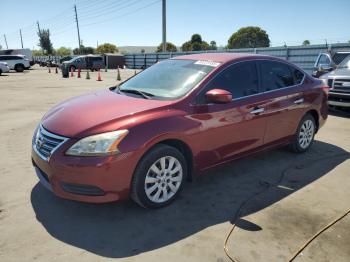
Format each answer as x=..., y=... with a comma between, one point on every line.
x=284, y=99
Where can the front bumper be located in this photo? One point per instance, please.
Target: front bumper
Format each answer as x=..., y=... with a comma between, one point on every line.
x=87, y=179
x=339, y=99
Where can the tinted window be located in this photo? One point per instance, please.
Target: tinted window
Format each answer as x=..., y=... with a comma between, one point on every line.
x=96, y=58
x=5, y=57
x=240, y=79
x=275, y=75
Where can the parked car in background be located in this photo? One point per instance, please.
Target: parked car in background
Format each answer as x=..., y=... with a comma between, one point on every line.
x=16, y=62
x=65, y=58
x=92, y=62
x=339, y=83
x=179, y=117
x=327, y=62
x=4, y=67
x=24, y=52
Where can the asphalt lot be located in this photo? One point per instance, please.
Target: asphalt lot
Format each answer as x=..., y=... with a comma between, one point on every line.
x=287, y=197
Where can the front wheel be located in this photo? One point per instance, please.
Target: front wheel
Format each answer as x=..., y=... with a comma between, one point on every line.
x=305, y=134
x=159, y=177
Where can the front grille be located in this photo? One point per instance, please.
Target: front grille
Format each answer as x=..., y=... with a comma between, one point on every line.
x=341, y=85
x=45, y=143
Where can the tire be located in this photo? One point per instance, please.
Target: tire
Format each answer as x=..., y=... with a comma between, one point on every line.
x=0, y=72
x=305, y=134
x=166, y=185
x=19, y=68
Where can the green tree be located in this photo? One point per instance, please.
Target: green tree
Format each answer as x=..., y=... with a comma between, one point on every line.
x=306, y=42
x=63, y=51
x=84, y=50
x=195, y=44
x=249, y=37
x=106, y=48
x=213, y=46
x=187, y=46
x=38, y=53
x=45, y=41
x=170, y=47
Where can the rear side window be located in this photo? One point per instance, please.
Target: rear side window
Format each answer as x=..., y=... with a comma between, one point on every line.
x=275, y=75
x=240, y=79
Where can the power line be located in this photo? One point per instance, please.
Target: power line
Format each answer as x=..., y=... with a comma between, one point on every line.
x=123, y=15
x=118, y=8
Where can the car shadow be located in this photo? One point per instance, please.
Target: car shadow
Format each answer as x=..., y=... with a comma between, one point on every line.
x=120, y=230
x=344, y=112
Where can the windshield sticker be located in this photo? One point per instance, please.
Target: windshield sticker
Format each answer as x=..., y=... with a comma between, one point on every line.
x=207, y=63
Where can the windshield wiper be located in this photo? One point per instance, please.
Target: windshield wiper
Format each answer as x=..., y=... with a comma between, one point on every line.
x=135, y=91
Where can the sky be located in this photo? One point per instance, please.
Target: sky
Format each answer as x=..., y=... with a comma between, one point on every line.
x=139, y=22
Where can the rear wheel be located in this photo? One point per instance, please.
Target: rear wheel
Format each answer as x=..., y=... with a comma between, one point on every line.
x=305, y=134
x=0, y=72
x=19, y=68
x=159, y=177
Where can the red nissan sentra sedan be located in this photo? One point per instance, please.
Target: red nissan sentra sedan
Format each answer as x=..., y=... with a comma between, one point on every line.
x=144, y=138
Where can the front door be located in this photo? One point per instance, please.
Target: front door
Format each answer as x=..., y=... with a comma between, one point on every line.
x=226, y=130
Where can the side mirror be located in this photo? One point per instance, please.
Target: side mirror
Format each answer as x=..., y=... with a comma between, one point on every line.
x=218, y=96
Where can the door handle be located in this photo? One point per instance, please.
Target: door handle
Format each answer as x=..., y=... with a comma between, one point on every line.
x=299, y=101
x=257, y=110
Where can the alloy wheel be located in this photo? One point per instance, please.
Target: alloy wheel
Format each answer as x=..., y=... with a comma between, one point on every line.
x=306, y=134
x=163, y=179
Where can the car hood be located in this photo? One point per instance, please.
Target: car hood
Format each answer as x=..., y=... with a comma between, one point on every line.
x=341, y=72
x=94, y=112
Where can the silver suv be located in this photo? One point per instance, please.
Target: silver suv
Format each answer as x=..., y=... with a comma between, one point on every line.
x=339, y=83
x=92, y=62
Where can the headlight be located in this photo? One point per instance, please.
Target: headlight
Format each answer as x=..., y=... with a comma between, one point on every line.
x=98, y=145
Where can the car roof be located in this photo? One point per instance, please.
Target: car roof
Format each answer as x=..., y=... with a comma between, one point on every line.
x=221, y=57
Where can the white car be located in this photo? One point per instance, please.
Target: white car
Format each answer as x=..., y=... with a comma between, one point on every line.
x=4, y=68
x=16, y=62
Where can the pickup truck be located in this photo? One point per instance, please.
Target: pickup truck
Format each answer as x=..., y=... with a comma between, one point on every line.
x=327, y=62
x=339, y=82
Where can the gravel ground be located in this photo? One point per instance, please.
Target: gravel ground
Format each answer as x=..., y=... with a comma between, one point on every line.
x=290, y=197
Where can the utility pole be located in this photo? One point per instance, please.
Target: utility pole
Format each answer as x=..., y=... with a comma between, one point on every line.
x=20, y=33
x=6, y=42
x=76, y=20
x=164, y=24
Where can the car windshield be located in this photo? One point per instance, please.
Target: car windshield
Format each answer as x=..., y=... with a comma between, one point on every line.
x=169, y=79
x=345, y=63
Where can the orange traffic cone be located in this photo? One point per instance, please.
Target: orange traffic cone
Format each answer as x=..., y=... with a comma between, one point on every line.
x=71, y=72
x=78, y=72
x=99, y=75
x=56, y=70
x=49, y=70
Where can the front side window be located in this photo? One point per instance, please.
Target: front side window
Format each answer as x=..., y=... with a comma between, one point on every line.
x=169, y=79
x=240, y=79
x=275, y=75
x=324, y=60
